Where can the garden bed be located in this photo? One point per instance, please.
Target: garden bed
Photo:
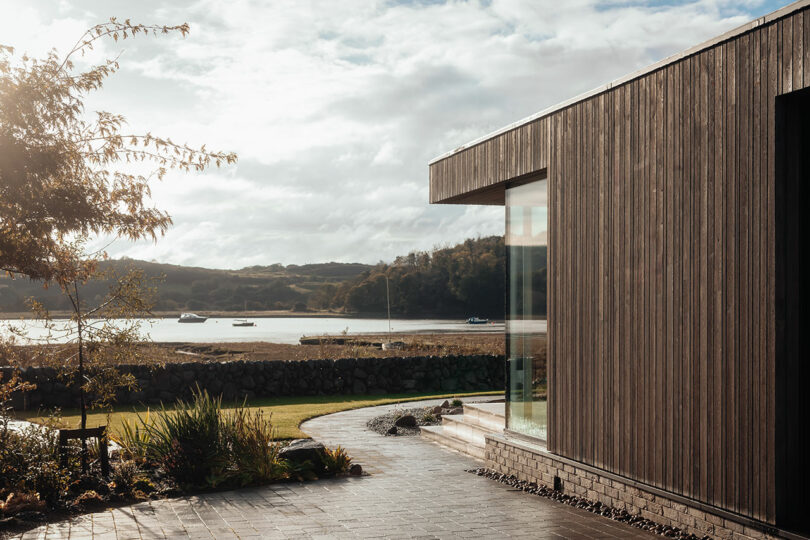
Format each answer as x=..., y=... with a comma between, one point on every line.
x=400, y=421
x=193, y=447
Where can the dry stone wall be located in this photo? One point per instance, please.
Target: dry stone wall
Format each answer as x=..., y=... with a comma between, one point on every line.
x=240, y=380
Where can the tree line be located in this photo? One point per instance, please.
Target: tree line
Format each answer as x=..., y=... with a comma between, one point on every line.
x=464, y=280
x=459, y=281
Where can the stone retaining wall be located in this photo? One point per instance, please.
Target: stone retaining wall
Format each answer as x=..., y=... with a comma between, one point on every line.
x=531, y=464
x=239, y=380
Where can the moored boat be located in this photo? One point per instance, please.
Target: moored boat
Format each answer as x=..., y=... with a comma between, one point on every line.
x=243, y=322
x=191, y=318
x=477, y=320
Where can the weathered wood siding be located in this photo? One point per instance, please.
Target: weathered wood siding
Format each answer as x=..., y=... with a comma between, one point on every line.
x=510, y=155
x=661, y=265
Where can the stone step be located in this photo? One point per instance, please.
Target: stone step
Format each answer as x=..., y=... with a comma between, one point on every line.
x=488, y=415
x=439, y=435
x=467, y=428
x=466, y=432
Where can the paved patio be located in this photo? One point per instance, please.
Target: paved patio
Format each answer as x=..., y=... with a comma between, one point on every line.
x=416, y=489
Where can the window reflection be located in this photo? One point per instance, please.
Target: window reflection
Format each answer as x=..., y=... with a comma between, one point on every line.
x=527, y=246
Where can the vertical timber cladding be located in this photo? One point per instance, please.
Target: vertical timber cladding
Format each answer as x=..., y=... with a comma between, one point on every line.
x=661, y=265
x=513, y=154
x=662, y=274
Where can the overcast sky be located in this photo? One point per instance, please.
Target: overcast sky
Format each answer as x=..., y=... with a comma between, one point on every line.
x=336, y=107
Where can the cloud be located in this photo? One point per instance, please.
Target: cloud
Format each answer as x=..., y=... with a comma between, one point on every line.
x=335, y=108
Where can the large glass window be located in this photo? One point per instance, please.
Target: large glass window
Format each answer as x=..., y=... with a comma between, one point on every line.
x=526, y=321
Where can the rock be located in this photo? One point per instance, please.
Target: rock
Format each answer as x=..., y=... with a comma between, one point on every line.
x=392, y=431
x=406, y=421
x=446, y=404
x=438, y=409
x=301, y=450
x=356, y=470
x=456, y=410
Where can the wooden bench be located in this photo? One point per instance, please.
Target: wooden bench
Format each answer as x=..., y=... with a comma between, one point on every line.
x=99, y=433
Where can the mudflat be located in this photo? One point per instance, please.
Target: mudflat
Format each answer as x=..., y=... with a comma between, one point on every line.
x=354, y=346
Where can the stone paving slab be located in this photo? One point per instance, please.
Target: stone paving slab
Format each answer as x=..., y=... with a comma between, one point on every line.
x=415, y=489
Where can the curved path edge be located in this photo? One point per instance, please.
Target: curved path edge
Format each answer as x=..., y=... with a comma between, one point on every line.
x=414, y=489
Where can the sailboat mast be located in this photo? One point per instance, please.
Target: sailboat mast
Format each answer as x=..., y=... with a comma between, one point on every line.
x=388, y=299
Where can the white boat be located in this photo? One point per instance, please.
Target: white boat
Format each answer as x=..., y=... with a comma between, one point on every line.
x=243, y=322
x=191, y=318
x=476, y=320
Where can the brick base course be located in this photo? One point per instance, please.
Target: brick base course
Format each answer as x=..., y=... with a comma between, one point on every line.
x=511, y=457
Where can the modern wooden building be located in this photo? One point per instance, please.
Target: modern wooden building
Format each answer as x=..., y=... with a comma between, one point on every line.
x=658, y=296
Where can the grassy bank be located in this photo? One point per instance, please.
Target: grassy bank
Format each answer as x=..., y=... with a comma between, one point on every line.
x=287, y=413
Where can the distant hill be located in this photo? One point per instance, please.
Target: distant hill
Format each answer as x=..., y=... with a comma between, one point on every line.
x=274, y=287
x=460, y=281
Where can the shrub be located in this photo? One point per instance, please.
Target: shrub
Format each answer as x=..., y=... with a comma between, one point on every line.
x=336, y=461
x=456, y=403
x=428, y=417
x=29, y=462
x=49, y=480
x=124, y=476
x=30, y=472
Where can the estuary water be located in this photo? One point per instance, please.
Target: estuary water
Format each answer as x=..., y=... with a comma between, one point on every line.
x=274, y=330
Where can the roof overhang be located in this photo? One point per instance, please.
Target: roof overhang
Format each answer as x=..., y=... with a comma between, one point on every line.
x=477, y=172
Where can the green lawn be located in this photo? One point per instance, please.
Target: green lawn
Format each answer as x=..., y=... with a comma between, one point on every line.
x=288, y=413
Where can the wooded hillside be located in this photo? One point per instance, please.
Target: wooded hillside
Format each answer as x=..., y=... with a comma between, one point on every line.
x=464, y=280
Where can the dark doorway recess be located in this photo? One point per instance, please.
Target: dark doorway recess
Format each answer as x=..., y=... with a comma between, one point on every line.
x=793, y=310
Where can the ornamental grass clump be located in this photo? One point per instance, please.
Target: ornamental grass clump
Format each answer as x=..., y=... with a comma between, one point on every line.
x=200, y=445
x=133, y=439
x=250, y=440
x=189, y=442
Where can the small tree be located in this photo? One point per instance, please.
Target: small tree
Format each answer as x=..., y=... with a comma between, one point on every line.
x=63, y=179
x=101, y=334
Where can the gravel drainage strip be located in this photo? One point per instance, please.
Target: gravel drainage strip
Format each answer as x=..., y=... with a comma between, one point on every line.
x=585, y=504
